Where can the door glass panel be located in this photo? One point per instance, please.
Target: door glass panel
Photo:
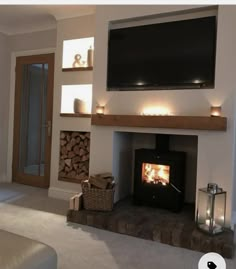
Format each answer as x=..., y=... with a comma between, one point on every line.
x=32, y=120
x=44, y=129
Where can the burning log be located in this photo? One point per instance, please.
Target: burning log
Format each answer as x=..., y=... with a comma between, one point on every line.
x=155, y=173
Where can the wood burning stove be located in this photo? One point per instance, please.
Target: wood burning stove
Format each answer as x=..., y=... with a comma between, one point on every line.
x=159, y=178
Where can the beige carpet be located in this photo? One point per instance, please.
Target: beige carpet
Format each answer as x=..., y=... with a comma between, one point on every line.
x=28, y=211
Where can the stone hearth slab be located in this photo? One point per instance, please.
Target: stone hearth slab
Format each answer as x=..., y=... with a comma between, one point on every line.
x=176, y=229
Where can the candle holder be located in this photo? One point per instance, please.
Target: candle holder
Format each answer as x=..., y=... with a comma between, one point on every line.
x=215, y=111
x=100, y=109
x=211, y=209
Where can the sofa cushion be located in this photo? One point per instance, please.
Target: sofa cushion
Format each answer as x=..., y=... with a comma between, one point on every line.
x=19, y=252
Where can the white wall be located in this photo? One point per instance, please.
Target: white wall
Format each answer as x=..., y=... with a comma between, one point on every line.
x=74, y=28
x=215, y=149
x=33, y=41
x=4, y=98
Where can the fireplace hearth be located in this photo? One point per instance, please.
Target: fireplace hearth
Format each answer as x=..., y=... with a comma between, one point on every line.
x=156, y=224
x=159, y=178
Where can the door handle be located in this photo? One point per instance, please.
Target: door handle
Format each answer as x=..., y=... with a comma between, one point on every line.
x=48, y=125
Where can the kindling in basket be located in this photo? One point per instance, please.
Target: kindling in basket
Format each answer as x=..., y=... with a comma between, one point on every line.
x=98, y=192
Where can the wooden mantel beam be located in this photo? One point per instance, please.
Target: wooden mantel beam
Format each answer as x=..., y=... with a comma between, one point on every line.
x=173, y=122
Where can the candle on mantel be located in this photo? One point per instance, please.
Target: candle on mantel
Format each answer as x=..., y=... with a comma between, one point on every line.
x=100, y=109
x=155, y=111
x=215, y=111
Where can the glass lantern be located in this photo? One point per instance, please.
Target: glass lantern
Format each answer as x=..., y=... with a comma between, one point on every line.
x=211, y=209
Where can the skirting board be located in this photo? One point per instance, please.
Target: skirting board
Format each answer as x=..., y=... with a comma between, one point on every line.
x=4, y=178
x=60, y=193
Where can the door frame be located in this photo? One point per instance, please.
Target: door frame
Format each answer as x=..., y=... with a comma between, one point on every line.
x=14, y=55
x=21, y=177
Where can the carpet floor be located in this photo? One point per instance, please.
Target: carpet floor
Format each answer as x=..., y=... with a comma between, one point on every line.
x=30, y=212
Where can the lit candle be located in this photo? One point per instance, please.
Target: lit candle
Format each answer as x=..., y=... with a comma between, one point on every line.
x=215, y=111
x=100, y=109
x=156, y=111
x=208, y=212
x=208, y=222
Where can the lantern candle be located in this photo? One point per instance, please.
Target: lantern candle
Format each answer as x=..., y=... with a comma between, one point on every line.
x=211, y=209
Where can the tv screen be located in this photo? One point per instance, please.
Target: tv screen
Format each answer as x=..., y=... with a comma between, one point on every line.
x=172, y=55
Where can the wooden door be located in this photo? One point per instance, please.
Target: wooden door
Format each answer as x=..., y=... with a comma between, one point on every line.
x=33, y=119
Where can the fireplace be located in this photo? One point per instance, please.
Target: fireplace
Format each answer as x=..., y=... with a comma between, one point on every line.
x=159, y=178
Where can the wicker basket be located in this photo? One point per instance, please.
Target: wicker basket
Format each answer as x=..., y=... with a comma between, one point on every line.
x=98, y=199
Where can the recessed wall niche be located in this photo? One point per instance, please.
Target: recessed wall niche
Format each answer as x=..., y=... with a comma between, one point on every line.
x=74, y=156
x=76, y=53
x=71, y=93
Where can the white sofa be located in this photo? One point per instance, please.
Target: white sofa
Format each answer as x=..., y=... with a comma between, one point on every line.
x=19, y=252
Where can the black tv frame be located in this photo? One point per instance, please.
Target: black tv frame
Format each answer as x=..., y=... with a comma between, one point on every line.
x=169, y=86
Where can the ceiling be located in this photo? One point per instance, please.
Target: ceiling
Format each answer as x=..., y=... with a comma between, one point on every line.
x=15, y=19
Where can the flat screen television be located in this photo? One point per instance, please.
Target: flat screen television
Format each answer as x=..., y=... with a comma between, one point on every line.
x=170, y=55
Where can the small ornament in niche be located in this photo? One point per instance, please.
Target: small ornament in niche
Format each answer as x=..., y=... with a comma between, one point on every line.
x=79, y=106
x=77, y=62
x=90, y=57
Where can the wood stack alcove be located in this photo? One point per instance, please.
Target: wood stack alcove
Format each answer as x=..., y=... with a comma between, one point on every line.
x=74, y=156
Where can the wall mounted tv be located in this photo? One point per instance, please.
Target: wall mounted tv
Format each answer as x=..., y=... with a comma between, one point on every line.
x=172, y=55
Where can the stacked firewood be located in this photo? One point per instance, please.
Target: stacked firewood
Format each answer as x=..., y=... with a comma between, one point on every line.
x=74, y=155
x=100, y=181
x=76, y=202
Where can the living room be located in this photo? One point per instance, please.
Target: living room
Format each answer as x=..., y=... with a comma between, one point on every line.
x=215, y=153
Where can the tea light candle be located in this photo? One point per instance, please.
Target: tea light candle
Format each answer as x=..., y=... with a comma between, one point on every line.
x=208, y=222
x=215, y=111
x=100, y=109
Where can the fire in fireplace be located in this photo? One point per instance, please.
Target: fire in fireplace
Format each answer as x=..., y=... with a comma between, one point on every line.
x=159, y=178
x=155, y=174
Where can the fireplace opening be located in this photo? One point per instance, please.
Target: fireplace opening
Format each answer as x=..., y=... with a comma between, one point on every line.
x=134, y=182
x=159, y=177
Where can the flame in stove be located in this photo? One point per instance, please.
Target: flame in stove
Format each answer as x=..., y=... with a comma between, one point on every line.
x=155, y=173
